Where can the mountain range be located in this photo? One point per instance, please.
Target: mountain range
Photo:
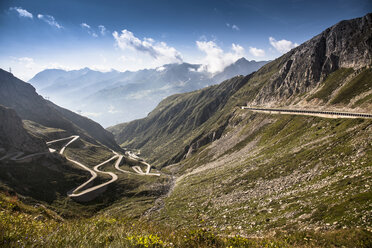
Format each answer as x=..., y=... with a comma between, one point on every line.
x=112, y=97
x=265, y=171
x=248, y=162
x=332, y=70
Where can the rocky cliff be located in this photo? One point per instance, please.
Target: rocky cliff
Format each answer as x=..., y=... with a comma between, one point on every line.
x=22, y=97
x=13, y=136
x=348, y=44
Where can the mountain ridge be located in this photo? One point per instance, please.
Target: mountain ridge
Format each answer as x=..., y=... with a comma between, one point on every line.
x=347, y=44
x=270, y=82
x=22, y=97
x=105, y=96
x=258, y=173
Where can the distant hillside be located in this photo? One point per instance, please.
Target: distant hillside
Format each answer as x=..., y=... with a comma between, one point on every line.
x=22, y=97
x=111, y=97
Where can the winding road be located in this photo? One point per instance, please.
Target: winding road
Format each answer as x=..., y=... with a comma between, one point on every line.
x=138, y=169
x=114, y=177
x=327, y=114
x=82, y=189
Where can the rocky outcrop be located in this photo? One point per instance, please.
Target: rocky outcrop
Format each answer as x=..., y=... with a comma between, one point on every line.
x=13, y=136
x=198, y=142
x=347, y=44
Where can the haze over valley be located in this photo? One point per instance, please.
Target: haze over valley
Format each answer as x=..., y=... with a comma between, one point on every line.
x=114, y=97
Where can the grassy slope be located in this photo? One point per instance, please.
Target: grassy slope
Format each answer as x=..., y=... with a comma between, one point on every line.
x=319, y=155
x=26, y=226
x=292, y=172
x=332, y=82
x=58, y=177
x=358, y=85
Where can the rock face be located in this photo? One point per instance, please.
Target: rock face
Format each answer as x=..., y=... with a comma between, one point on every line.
x=14, y=137
x=347, y=44
x=22, y=97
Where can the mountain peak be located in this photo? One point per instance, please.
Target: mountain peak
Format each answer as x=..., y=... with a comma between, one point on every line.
x=347, y=44
x=241, y=60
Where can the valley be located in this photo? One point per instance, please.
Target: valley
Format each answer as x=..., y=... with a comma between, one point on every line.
x=261, y=154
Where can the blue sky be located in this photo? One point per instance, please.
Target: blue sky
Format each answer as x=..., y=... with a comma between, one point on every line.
x=131, y=35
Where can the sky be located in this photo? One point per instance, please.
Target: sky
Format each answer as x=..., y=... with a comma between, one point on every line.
x=137, y=34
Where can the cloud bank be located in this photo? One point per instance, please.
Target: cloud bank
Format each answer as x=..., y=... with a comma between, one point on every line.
x=233, y=26
x=256, y=52
x=22, y=12
x=157, y=50
x=282, y=46
x=216, y=59
x=89, y=29
x=50, y=20
x=102, y=29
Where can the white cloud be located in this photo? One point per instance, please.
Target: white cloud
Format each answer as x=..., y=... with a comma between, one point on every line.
x=89, y=29
x=91, y=114
x=159, y=51
x=22, y=12
x=102, y=29
x=233, y=26
x=112, y=109
x=160, y=68
x=216, y=59
x=282, y=46
x=50, y=20
x=26, y=67
x=257, y=52
x=84, y=25
x=26, y=62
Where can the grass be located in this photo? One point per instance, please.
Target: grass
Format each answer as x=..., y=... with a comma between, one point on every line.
x=46, y=133
x=356, y=86
x=331, y=83
x=22, y=225
x=363, y=101
x=282, y=185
